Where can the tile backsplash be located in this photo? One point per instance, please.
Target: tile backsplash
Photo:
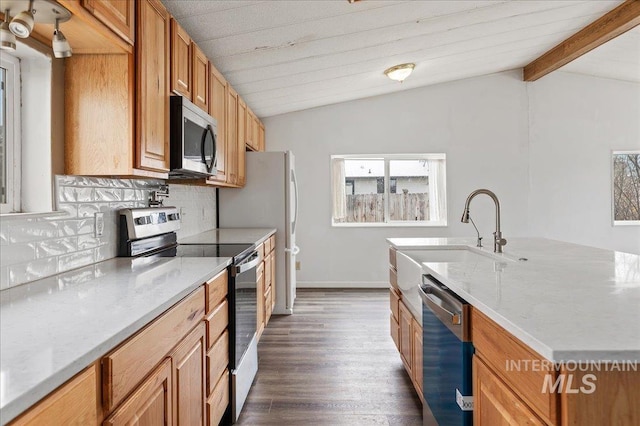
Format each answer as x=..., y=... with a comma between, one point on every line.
x=36, y=247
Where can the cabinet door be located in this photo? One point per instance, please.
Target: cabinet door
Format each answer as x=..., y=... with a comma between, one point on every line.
x=242, y=140
x=150, y=404
x=232, y=136
x=200, y=78
x=261, y=141
x=404, y=322
x=273, y=275
x=189, y=379
x=494, y=403
x=260, y=296
x=152, y=78
x=118, y=15
x=74, y=403
x=180, y=60
x=217, y=109
x=255, y=133
x=416, y=331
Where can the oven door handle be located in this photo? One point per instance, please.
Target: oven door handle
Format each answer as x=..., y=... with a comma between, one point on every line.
x=249, y=263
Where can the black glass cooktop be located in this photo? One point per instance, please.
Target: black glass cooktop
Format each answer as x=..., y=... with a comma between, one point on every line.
x=237, y=251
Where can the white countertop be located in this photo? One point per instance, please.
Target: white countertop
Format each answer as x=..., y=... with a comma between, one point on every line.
x=230, y=236
x=567, y=302
x=53, y=328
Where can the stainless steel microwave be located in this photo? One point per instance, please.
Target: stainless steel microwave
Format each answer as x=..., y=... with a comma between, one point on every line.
x=193, y=140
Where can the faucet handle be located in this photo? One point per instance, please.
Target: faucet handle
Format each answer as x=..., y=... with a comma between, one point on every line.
x=501, y=241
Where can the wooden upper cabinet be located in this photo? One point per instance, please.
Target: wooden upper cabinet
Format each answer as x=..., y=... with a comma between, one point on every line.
x=118, y=15
x=152, y=83
x=232, y=136
x=200, y=78
x=261, y=141
x=181, y=62
x=151, y=404
x=217, y=109
x=242, y=140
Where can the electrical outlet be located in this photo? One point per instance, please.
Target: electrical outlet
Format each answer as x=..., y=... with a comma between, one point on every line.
x=297, y=265
x=98, y=221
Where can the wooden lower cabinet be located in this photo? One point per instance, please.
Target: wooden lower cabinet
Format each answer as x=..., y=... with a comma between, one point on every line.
x=494, y=402
x=218, y=401
x=189, y=378
x=151, y=404
x=416, y=352
x=404, y=321
x=74, y=403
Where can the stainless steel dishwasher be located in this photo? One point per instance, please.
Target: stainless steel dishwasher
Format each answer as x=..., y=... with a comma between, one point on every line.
x=447, y=353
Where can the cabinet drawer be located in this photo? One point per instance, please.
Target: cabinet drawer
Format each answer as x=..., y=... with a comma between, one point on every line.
x=503, y=352
x=394, y=301
x=267, y=271
x=268, y=306
x=217, y=360
x=395, y=330
x=260, y=250
x=267, y=246
x=393, y=278
x=272, y=242
x=125, y=367
x=217, y=288
x=218, y=400
x=217, y=322
x=74, y=403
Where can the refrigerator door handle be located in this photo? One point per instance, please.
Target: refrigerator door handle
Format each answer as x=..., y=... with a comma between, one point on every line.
x=295, y=188
x=294, y=251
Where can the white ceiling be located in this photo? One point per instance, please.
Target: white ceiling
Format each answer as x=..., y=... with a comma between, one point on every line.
x=284, y=56
x=619, y=58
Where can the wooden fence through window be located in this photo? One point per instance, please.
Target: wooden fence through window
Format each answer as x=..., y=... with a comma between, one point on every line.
x=362, y=208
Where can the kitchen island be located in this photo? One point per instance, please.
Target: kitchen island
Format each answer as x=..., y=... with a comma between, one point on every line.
x=573, y=310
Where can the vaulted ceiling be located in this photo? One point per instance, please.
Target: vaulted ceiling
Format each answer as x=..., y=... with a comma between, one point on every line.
x=284, y=56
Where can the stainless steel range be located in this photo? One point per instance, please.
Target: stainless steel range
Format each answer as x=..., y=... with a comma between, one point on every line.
x=151, y=231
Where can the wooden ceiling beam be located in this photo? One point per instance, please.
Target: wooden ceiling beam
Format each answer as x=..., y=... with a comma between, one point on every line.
x=609, y=26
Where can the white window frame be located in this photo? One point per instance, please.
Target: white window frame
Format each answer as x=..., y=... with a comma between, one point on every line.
x=387, y=183
x=13, y=149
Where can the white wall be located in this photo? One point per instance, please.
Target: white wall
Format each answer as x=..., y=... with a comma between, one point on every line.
x=575, y=123
x=480, y=123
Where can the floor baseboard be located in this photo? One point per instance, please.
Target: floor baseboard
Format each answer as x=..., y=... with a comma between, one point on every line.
x=342, y=284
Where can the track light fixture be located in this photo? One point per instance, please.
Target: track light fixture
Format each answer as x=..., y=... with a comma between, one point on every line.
x=7, y=38
x=22, y=24
x=40, y=11
x=61, y=47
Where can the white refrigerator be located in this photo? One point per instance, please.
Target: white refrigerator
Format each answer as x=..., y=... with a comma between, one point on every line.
x=268, y=200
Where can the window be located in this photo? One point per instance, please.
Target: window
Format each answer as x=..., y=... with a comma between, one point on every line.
x=626, y=187
x=388, y=190
x=9, y=133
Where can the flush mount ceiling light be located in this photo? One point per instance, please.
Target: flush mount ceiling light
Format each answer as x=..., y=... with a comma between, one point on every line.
x=7, y=38
x=399, y=72
x=32, y=12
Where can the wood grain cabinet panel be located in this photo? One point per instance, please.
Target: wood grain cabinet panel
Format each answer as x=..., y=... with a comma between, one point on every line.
x=416, y=345
x=261, y=136
x=151, y=404
x=232, y=136
x=406, y=338
x=395, y=331
x=152, y=83
x=181, y=61
x=200, y=80
x=260, y=301
x=242, y=140
x=127, y=365
x=217, y=322
x=218, y=110
x=499, y=348
x=74, y=403
x=216, y=290
x=218, y=400
x=118, y=15
x=189, y=379
x=217, y=360
x=495, y=404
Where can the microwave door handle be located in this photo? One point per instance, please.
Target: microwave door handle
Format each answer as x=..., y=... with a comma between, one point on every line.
x=207, y=130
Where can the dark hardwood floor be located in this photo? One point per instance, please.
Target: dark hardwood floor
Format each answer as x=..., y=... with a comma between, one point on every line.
x=332, y=363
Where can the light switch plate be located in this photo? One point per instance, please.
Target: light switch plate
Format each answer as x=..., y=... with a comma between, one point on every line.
x=98, y=229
